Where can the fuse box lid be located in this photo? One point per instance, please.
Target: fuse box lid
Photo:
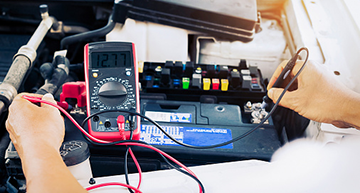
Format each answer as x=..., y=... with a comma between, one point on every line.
x=225, y=19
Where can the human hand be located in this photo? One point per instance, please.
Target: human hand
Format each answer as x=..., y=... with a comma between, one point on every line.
x=29, y=124
x=315, y=95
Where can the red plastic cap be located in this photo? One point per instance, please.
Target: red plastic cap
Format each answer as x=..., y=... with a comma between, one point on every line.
x=121, y=125
x=120, y=119
x=75, y=90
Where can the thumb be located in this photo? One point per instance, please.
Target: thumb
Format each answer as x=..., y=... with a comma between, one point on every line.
x=50, y=98
x=274, y=94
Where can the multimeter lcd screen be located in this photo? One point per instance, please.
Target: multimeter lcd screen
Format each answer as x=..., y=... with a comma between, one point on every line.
x=110, y=59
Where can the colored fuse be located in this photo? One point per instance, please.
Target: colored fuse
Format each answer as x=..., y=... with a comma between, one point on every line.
x=224, y=84
x=148, y=77
x=141, y=66
x=176, y=82
x=149, y=82
x=206, y=83
x=255, y=85
x=215, y=83
x=196, y=81
x=185, y=82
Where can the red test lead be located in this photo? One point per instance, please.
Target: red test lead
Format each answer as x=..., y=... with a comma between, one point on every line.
x=64, y=105
x=39, y=100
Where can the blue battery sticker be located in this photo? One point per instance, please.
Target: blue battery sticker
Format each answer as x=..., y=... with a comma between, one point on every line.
x=190, y=135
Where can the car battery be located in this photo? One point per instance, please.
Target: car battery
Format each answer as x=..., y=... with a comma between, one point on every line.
x=201, y=124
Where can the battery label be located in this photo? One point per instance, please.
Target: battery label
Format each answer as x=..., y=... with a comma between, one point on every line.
x=169, y=117
x=189, y=135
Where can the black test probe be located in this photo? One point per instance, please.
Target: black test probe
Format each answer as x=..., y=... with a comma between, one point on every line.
x=281, y=79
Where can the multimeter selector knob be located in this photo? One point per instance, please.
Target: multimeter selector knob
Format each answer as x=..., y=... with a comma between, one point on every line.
x=112, y=93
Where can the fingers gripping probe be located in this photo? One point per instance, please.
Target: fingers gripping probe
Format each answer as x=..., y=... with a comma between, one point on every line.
x=281, y=79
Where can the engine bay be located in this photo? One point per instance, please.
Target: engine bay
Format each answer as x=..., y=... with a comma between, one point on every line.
x=200, y=70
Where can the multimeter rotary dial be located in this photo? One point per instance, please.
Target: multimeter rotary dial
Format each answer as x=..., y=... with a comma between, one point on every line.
x=113, y=93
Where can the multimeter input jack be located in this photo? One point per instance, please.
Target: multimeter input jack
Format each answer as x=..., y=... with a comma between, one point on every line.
x=107, y=124
x=95, y=118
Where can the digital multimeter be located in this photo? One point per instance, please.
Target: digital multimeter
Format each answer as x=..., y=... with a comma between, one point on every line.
x=111, y=78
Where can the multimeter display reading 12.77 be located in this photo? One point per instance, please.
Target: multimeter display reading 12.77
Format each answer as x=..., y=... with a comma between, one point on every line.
x=110, y=59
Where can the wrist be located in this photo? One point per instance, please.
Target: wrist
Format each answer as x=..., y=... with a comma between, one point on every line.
x=35, y=146
x=350, y=111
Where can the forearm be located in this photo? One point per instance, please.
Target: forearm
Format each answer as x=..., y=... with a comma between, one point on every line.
x=45, y=170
